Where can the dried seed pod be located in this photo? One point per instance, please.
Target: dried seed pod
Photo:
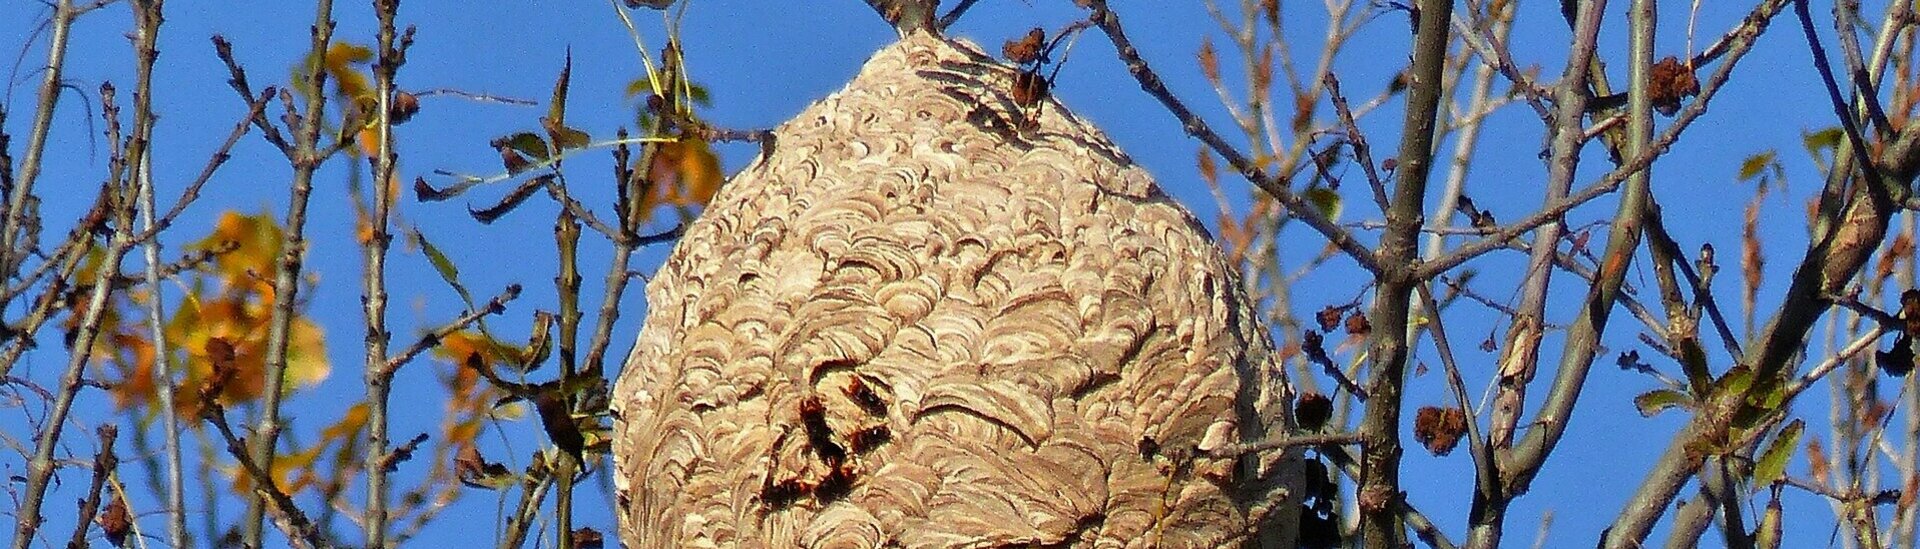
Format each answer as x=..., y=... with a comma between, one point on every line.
x=1357, y=324
x=403, y=107
x=1312, y=411
x=1027, y=49
x=1439, y=429
x=1896, y=360
x=1030, y=87
x=1328, y=318
x=1670, y=82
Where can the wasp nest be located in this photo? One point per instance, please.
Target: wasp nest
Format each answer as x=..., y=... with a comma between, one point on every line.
x=936, y=314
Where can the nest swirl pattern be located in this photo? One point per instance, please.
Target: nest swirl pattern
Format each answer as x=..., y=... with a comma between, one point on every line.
x=931, y=317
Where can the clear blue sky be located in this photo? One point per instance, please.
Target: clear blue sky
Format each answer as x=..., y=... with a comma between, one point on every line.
x=763, y=62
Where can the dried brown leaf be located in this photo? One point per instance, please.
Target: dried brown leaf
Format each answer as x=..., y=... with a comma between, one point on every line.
x=1439, y=429
x=1670, y=82
x=1027, y=49
x=1209, y=62
x=115, y=523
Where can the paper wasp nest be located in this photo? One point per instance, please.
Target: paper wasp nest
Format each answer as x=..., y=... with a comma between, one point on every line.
x=932, y=317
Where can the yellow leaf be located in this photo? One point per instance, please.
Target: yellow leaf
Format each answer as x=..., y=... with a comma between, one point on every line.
x=289, y=463
x=341, y=59
x=255, y=242
x=306, y=355
x=237, y=311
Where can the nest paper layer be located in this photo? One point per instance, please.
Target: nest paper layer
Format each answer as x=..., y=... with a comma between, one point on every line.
x=1044, y=340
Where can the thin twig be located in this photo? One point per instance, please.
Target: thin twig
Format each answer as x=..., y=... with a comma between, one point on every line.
x=1784, y=339
x=73, y=245
x=294, y=522
x=1701, y=295
x=557, y=189
x=1486, y=476
x=17, y=214
x=953, y=15
x=432, y=339
x=191, y=260
x=1297, y=207
x=1583, y=337
x=391, y=55
x=148, y=17
x=1864, y=90
x=468, y=181
x=1288, y=441
x=1818, y=371
x=704, y=131
x=214, y=162
x=305, y=160
x=1495, y=54
x=104, y=464
x=41, y=466
x=1469, y=128
x=237, y=79
x=54, y=295
x=1362, y=154
x=1388, y=348
x=1748, y=31
x=1418, y=521
x=481, y=97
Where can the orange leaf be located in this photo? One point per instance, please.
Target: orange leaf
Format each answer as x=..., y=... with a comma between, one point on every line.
x=369, y=140
x=457, y=346
x=349, y=426
x=699, y=173
x=686, y=173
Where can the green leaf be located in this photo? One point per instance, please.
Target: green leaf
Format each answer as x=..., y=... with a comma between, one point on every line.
x=539, y=342
x=448, y=272
x=641, y=87
x=564, y=138
x=557, y=110
x=1326, y=200
x=1756, y=405
x=1821, y=140
x=1693, y=361
x=1773, y=462
x=1754, y=165
x=699, y=95
x=1736, y=380
x=527, y=143
x=1653, y=402
x=1775, y=395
